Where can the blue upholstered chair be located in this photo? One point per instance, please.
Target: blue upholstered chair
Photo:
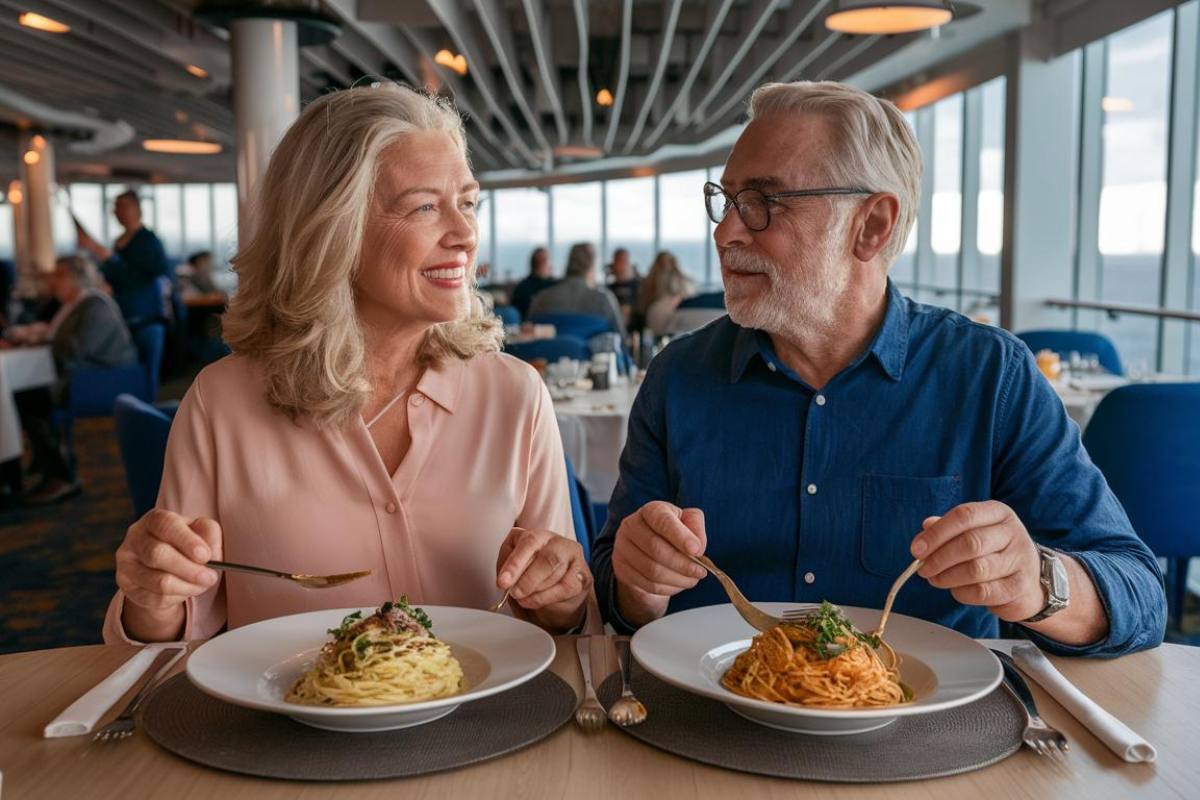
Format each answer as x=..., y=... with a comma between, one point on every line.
x=582, y=326
x=551, y=349
x=142, y=431
x=1064, y=342
x=581, y=512
x=1145, y=438
x=508, y=315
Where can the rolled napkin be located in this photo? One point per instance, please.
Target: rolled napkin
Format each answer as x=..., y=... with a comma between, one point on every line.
x=82, y=715
x=1116, y=735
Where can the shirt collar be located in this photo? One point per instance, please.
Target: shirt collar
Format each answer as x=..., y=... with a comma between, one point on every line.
x=442, y=384
x=889, y=348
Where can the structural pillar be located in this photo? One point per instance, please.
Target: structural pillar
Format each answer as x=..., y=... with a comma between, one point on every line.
x=37, y=177
x=26, y=285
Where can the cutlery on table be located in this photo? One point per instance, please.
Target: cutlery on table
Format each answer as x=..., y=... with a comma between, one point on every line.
x=627, y=710
x=590, y=714
x=122, y=727
x=307, y=581
x=1038, y=736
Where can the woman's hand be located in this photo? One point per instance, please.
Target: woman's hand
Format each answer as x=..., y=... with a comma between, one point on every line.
x=159, y=566
x=546, y=576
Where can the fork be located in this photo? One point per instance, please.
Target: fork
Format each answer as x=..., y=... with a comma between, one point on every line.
x=307, y=581
x=754, y=615
x=590, y=714
x=798, y=614
x=122, y=727
x=1038, y=736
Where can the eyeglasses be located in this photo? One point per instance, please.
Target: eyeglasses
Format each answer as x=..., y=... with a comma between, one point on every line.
x=754, y=205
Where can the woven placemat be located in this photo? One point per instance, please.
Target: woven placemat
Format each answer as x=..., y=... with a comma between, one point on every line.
x=200, y=728
x=911, y=748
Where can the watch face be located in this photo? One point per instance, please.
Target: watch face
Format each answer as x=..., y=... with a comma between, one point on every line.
x=1059, y=586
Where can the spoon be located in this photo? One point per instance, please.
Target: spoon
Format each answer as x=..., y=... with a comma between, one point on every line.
x=627, y=710
x=307, y=581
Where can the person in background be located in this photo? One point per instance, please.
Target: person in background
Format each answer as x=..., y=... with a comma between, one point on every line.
x=624, y=281
x=199, y=280
x=540, y=277
x=134, y=264
x=577, y=293
x=86, y=331
x=660, y=293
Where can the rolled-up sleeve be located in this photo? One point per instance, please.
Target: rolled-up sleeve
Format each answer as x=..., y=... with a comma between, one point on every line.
x=1044, y=474
x=188, y=488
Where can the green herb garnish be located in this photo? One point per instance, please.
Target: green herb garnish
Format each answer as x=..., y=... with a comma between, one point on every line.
x=416, y=613
x=347, y=622
x=830, y=624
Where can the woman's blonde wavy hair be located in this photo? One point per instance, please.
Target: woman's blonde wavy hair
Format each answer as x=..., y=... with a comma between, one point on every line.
x=294, y=312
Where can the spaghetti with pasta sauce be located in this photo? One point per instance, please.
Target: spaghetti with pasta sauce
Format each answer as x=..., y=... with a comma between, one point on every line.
x=820, y=661
x=387, y=658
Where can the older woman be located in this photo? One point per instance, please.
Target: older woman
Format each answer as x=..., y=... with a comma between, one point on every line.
x=661, y=293
x=365, y=419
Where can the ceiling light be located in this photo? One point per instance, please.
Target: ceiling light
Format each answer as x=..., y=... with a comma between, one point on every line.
x=40, y=23
x=458, y=63
x=32, y=157
x=14, y=193
x=181, y=147
x=1116, y=104
x=199, y=72
x=876, y=17
x=604, y=98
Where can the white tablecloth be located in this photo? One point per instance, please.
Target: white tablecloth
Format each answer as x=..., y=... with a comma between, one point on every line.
x=1083, y=394
x=20, y=369
x=593, y=427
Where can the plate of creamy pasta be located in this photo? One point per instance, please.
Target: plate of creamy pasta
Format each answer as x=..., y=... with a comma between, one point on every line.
x=822, y=675
x=357, y=669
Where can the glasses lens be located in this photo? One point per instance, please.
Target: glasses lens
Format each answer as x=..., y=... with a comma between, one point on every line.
x=715, y=202
x=753, y=208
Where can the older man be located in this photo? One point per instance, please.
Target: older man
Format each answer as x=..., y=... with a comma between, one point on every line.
x=831, y=430
x=577, y=293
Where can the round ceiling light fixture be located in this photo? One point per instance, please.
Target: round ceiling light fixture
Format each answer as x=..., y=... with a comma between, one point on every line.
x=879, y=17
x=181, y=147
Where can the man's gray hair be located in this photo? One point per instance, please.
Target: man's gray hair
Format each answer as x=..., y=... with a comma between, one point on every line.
x=81, y=269
x=874, y=146
x=581, y=260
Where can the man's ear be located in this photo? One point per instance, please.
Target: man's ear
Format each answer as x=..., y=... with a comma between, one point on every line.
x=875, y=225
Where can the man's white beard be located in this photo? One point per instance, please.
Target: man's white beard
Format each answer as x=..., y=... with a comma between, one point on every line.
x=799, y=300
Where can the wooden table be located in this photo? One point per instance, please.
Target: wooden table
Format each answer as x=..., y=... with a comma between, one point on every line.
x=1157, y=693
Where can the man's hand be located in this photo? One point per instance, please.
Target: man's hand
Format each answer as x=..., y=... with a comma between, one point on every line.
x=651, y=558
x=982, y=553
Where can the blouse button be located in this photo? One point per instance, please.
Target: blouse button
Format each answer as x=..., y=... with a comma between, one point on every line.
x=417, y=399
x=390, y=508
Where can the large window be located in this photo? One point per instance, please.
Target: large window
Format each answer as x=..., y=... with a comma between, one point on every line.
x=197, y=218
x=484, y=252
x=6, y=231
x=981, y=273
x=577, y=217
x=1133, y=199
x=683, y=223
x=631, y=220
x=168, y=219
x=945, y=224
x=225, y=222
x=522, y=223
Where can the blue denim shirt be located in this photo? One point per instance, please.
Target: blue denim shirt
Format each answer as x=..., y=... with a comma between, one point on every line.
x=817, y=495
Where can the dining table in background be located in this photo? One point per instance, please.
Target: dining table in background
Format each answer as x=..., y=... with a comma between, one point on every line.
x=21, y=368
x=1155, y=692
x=1081, y=395
x=593, y=425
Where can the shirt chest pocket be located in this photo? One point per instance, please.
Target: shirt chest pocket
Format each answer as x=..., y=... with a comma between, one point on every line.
x=893, y=509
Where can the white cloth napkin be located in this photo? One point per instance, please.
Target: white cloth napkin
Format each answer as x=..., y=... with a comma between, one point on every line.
x=1116, y=735
x=82, y=715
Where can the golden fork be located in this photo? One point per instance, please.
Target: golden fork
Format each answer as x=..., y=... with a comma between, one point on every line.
x=754, y=615
x=307, y=581
x=503, y=600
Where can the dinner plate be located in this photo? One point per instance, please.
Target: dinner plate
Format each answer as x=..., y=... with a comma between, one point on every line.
x=693, y=649
x=255, y=665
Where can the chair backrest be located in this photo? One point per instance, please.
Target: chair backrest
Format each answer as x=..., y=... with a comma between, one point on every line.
x=704, y=300
x=581, y=512
x=583, y=326
x=150, y=340
x=142, y=432
x=1064, y=342
x=1145, y=438
x=508, y=315
x=551, y=349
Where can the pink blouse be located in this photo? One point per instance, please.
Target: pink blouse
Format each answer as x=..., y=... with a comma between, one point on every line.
x=485, y=456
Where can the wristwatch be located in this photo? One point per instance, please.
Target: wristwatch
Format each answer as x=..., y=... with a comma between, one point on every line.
x=1055, y=584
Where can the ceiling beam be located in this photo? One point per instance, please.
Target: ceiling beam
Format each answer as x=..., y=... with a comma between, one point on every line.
x=585, y=88
x=760, y=11
x=666, y=42
x=714, y=19
x=547, y=71
x=614, y=119
x=499, y=33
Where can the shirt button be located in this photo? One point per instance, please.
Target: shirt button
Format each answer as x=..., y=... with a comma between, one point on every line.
x=809, y=577
x=417, y=399
x=812, y=488
x=771, y=366
x=820, y=399
x=390, y=508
